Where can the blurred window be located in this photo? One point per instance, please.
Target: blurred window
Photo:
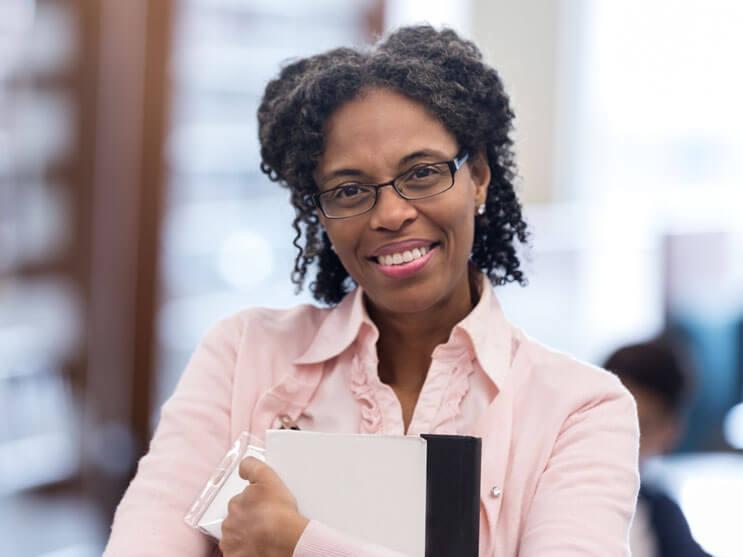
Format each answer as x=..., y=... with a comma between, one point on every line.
x=660, y=98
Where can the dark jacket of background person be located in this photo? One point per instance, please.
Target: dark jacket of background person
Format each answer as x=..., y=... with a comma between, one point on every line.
x=671, y=531
x=658, y=379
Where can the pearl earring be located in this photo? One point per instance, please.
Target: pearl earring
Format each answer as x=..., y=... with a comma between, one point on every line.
x=481, y=209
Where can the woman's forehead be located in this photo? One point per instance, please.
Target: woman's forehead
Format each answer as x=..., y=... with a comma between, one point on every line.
x=381, y=127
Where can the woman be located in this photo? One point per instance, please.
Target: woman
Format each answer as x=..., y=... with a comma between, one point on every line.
x=400, y=168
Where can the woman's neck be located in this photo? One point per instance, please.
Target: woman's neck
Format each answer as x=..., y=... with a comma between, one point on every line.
x=407, y=341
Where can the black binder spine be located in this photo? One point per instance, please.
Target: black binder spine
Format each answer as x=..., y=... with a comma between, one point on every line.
x=453, y=495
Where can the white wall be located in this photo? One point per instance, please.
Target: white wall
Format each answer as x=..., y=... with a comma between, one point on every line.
x=520, y=39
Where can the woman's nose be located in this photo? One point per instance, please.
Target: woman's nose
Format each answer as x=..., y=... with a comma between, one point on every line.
x=392, y=211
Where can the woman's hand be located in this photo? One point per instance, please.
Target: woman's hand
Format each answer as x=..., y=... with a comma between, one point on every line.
x=263, y=520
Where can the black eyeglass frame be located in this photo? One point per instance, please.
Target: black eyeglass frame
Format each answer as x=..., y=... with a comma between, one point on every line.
x=454, y=165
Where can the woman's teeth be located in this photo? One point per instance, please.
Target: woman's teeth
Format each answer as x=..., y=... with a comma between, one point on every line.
x=402, y=257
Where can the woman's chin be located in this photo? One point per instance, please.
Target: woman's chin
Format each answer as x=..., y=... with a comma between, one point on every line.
x=414, y=298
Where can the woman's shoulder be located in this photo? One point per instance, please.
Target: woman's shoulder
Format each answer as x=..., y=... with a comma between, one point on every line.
x=263, y=343
x=561, y=376
x=555, y=392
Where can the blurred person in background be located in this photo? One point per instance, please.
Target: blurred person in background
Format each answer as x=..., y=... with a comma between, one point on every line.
x=653, y=373
x=400, y=167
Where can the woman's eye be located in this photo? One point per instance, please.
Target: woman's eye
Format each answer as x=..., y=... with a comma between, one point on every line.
x=345, y=192
x=424, y=172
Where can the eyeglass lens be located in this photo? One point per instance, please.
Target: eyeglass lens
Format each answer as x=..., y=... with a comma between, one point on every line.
x=419, y=182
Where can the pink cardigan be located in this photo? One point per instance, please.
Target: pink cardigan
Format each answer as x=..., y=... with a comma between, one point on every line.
x=560, y=437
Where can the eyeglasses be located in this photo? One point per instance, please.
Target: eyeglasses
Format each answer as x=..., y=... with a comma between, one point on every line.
x=418, y=182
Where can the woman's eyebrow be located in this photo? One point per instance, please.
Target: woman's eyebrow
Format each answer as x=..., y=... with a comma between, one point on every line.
x=356, y=173
x=342, y=172
x=422, y=153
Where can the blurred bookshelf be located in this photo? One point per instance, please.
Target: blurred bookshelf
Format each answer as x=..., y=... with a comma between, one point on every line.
x=43, y=226
x=73, y=294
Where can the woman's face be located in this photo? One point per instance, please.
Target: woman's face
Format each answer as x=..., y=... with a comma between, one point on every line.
x=373, y=139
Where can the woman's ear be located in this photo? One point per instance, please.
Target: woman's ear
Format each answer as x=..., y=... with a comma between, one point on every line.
x=480, y=173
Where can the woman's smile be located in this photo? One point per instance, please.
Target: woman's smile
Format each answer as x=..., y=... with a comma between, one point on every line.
x=403, y=258
x=407, y=263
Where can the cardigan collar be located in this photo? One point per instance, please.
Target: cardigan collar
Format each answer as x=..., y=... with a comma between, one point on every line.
x=485, y=331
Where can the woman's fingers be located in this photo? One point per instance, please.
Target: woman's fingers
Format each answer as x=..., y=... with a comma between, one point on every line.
x=263, y=519
x=256, y=471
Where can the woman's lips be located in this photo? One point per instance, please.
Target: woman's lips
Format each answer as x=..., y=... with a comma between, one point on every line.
x=405, y=270
x=401, y=246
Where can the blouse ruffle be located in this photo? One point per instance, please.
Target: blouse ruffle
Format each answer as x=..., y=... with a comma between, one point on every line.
x=363, y=391
x=451, y=406
x=439, y=405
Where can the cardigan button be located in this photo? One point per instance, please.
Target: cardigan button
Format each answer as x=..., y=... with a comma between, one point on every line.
x=495, y=491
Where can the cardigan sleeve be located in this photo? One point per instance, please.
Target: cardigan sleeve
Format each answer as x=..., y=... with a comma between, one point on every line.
x=191, y=438
x=586, y=496
x=319, y=540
